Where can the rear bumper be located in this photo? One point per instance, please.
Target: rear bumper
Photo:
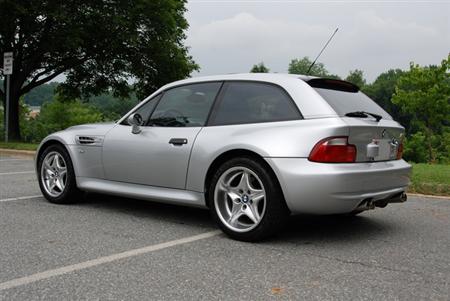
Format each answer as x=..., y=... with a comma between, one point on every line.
x=321, y=188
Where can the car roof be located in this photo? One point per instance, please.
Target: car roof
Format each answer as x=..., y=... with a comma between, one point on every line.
x=267, y=77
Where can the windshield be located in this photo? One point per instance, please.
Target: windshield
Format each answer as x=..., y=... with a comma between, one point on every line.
x=346, y=102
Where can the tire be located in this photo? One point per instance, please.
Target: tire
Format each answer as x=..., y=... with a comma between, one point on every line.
x=57, y=170
x=241, y=215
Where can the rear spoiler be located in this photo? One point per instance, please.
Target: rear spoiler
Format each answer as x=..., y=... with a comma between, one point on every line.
x=333, y=84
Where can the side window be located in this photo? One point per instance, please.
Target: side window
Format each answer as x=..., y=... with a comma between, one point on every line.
x=185, y=106
x=245, y=102
x=146, y=109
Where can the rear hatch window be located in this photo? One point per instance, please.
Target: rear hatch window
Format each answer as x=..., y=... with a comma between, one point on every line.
x=345, y=97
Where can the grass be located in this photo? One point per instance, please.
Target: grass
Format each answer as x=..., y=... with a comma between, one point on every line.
x=430, y=179
x=19, y=145
x=426, y=178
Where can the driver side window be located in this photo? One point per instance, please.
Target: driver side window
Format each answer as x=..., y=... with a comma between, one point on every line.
x=185, y=106
x=145, y=110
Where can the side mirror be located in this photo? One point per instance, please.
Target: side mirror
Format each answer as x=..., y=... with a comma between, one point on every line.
x=135, y=120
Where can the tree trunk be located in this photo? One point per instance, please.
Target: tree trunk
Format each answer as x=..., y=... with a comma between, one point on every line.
x=13, y=121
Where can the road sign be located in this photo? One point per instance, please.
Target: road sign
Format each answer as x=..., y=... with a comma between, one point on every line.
x=7, y=70
x=7, y=63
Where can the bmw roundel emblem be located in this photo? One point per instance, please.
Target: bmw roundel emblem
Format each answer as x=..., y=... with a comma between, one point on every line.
x=245, y=198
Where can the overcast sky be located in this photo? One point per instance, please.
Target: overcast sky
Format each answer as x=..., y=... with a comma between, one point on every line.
x=228, y=36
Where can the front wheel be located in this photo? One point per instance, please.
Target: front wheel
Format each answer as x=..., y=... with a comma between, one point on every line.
x=246, y=201
x=56, y=175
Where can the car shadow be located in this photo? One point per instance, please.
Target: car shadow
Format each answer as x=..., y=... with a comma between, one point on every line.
x=306, y=229
x=300, y=229
x=196, y=217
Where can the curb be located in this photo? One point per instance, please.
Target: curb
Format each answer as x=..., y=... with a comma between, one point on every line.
x=429, y=196
x=19, y=152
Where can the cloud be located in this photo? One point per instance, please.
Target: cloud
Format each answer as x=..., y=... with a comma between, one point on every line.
x=243, y=40
x=365, y=40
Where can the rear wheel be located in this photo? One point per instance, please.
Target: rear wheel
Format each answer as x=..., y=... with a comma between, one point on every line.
x=246, y=201
x=56, y=175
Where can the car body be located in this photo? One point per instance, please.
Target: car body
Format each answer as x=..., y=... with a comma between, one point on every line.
x=284, y=119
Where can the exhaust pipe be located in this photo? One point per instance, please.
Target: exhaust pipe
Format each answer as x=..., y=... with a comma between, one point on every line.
x=366, y=204
x=399, y=198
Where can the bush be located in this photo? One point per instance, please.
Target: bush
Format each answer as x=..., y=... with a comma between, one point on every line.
x=415, y=148
x=56, y=116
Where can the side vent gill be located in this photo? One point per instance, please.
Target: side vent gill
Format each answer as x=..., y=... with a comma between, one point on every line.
x=89, y=140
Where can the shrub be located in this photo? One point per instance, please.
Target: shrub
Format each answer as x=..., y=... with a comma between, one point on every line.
x=56, y=116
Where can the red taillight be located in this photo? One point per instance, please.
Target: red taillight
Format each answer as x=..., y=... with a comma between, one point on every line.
x=400, y=151
x=333, y=150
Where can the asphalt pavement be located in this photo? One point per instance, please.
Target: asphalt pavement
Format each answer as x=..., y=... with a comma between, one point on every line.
x=109, y=248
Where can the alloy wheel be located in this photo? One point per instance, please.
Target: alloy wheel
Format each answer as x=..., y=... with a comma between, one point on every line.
x=54, y=174
x=240, y=199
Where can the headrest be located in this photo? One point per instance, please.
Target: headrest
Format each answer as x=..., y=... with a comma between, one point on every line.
x=197, y=97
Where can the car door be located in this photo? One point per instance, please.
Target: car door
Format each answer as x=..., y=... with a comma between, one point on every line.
x=159, y=154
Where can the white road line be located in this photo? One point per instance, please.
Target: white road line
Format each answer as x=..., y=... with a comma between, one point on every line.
x=16, y=173
x=101, y=260
x=8, y=160
x=21, y=198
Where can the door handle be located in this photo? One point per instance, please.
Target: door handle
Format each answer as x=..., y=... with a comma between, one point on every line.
x=178, y=141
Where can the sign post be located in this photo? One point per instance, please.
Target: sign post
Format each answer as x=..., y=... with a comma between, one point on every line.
x=7, y=71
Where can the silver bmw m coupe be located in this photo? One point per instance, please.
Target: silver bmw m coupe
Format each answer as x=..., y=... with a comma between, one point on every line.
x=253, y=148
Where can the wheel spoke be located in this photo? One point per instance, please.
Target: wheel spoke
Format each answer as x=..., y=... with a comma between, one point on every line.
x=236, y=213
x=59, y=184
x=234, y=196
x=244, y=183
x=52, y=185
x=62, y=172
x=47, y=164
x=257, y=197
x=224, y=186
x=230, y=180
x=49, y=172
x=251, y=214
x=53, y=161
x=58, y=162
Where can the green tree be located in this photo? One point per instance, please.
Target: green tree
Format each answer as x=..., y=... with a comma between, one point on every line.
x=98, y=45
x=301, y=66
x=424, y=92
x=259, y=68
x=356, y=77
x=381, y=91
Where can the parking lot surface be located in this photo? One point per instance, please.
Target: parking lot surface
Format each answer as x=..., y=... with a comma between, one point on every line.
x=114, y=248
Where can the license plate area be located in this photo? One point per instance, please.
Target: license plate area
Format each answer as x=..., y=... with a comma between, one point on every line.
x=387, y=150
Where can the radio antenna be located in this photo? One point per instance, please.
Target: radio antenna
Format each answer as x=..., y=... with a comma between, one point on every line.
x=328, y=42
